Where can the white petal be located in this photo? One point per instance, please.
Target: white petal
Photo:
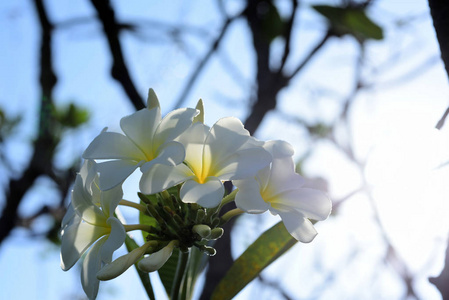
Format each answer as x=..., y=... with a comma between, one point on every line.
x=83, y=206
x=283, y=176
x=91, y=265
x=161, y=177
x=152, y=100
x=112, y=145
x=140, y=128
x=193, y=140
x=156, y=260
x=242, y=164
x=88, y=173
x=299, y=227
x=69, y=216
x=208, y=194
x=76, y=239
x=248, y=197
x=114, y=172
x=114, y=240
x=110, y=199
x=173, y=125
x=312, y=203
x=121, y=264
x=170, y=153
x=226, y=136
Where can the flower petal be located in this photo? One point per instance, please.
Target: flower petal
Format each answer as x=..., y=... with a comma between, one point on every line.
x=312, y=203
x=91, y=265
x=208, y=194
x=173, y=125
x=160, y=177
x=140, y=128
x=193, y=140
x=113, y=145
x=114, y=240
x=299, y=227
x=110, y=199
x=248, y=197
x=242, y=164
x=83, y=206
x=76, y=239
x=226, y=136
x=114, y=172
x=156, y=260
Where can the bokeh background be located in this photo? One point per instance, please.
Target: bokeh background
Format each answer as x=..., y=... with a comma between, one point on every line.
x=357, y=87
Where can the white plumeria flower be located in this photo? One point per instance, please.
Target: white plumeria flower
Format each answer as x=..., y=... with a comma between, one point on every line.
x=213, y=155
x=147, y=140
x=90, y=219
x=279, y=189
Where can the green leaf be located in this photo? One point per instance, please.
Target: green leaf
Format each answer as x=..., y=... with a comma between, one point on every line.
x=350, y=20
x=71, y=116
x=168, y=271
x=266, y=249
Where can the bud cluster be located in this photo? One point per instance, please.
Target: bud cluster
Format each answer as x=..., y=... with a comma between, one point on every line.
x=188, y=223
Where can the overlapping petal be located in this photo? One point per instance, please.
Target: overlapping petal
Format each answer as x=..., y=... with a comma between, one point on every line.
x=161, y=177
x=207, y=194
x=279, y=189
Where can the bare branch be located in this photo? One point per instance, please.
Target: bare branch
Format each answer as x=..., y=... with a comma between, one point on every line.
x=119, y=69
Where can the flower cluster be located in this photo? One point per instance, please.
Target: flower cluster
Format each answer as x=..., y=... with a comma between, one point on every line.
x=184, y=164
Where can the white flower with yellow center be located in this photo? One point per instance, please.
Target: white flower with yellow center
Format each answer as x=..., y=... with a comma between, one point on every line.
x=213, y=155
x=147, y=140
x=279, y=189
x=90, y=220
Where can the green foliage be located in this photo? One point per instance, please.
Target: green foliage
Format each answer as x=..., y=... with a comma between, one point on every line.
x=7, y=124
x=71, y=116
x=350, y=20
x=267, y=248
x=168, y=271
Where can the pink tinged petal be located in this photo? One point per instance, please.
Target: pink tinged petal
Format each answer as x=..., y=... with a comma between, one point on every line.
x=156, y=260
x=110, y=199
x=140, y=128
x=225, y=137
x=91, y=265
x=242, y=164
x=112, y=145
x=208, y=194
x=312, y=203
x=83, y=206
x=248, y=197
x=114, y=240
x=160, y=177
x=75, y=241
x=173, y=125
x=114, y=172
x=121, y=264
x=299, y=227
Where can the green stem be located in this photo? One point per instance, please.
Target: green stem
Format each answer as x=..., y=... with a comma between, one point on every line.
x=230, y=214
x=142, y=227
x=144, y=277
x=132, y=204
x=180, y=271
x=229, y=198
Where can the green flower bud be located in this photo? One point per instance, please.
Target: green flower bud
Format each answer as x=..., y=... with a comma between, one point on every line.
x=216, y=233
x=202, y=230
x=200, y=214
x=209, y=250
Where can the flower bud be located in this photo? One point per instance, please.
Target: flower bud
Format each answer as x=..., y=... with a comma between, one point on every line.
x=209, y=250
x=216, y=233
x=156, y=260
x=200, y=214
x=202, y=230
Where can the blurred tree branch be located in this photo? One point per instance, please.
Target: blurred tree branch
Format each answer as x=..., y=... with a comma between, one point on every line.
x=44, y=145
x=119, y=69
